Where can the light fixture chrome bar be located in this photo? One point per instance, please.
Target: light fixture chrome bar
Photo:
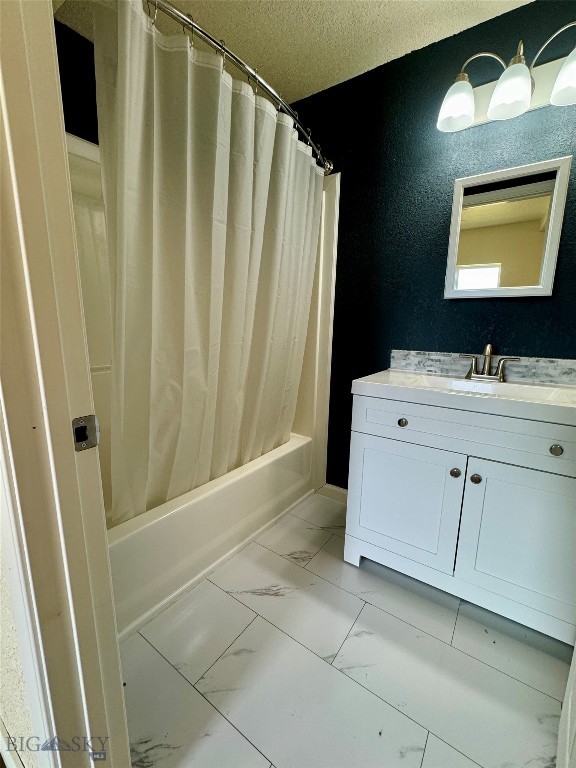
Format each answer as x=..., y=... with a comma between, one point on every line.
x=483, y=53
x=458, y=107
x=558, y=31
x=251, y=73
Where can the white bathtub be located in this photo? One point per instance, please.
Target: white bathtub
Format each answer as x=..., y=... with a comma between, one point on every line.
x=160, y=554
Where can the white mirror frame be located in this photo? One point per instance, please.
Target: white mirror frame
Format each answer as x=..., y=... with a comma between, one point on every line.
x=562, y=167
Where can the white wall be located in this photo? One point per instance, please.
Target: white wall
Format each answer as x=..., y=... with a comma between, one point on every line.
x=14, y=704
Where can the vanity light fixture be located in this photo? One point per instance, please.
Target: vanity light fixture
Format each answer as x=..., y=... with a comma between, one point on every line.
x=513, y=91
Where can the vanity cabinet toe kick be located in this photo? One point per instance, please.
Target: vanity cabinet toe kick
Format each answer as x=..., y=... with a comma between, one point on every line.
x=479, y=505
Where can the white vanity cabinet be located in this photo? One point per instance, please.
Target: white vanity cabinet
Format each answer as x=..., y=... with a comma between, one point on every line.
x=518, y=536
x=407, y=502
x=478, y=504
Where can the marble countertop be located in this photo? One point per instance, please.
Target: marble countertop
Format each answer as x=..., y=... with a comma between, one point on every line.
x=543, y=402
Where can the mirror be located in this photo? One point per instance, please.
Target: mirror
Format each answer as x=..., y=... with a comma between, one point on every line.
x=505, y=231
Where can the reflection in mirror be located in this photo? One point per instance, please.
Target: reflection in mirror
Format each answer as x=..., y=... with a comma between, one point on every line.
x=505, y=231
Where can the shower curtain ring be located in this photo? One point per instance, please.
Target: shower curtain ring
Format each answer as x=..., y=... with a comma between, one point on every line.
x=223, y=44
x=155, y=10
x=256, y=81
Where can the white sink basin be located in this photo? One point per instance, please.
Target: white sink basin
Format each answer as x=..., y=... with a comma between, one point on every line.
x=543, y=402
x=541, y=393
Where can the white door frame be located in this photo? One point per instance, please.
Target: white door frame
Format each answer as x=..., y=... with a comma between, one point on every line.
x=57, y=500
x=566, y=757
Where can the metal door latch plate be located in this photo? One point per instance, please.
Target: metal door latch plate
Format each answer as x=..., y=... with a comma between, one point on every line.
x=86, y=431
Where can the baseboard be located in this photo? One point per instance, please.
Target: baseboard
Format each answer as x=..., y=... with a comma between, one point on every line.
x=334, y=492
x=151, y=614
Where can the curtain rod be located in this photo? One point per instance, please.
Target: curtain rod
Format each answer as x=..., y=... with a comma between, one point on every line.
x=252, y=74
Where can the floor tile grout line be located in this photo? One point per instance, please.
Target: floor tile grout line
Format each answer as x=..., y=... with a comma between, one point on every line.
x=387, y=613
x=305, y=567
x=215, y=708
x=455, y=750
x=318, y=657
x=318, y=527
x=405, y=715
x=304, y=518
x=424, y=752
x=368, y=690
x=315, y=526
x=214, y=662
x=450, y=644
x=350, y=678
x=228, y=647
x=344, y=674
x=348, y=635
x=280, y=628
x=322, y=659
x=347, y=677
x=355, y=594
x=419, y=629
x=469, y=655
x=200, y=692
x=510, y=677
x=496, y=669
x=455, y=622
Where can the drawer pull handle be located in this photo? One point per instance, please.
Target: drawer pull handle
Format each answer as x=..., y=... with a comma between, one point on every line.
x=404, y=423
x=455, y=472
x=556, y=450
x=476, y=479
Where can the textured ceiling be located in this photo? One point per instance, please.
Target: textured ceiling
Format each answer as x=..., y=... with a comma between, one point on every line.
x=507, y=212
x=304, y=46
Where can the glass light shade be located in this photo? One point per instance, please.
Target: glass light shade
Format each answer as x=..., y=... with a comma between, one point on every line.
x=512, y=94
x=457, y=110
x=564, y=91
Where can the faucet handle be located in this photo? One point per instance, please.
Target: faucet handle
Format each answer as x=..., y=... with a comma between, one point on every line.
x=500, y=367
x=473, y=366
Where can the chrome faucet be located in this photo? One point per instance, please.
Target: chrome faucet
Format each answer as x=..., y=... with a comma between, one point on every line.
x=487, y=367
x=486, y=373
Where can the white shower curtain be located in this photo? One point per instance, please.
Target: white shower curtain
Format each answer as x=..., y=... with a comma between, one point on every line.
x=213, y=211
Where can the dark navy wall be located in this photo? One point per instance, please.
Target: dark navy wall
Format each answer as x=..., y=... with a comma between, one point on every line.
x=77, y=82
x=398, y=176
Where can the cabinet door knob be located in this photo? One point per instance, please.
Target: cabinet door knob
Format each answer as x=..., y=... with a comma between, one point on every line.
x=556, y=450
x=476, y=479
x=455, y=472
x=402, y=422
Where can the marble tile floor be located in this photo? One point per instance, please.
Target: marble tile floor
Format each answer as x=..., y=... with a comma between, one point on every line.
x=288, y=657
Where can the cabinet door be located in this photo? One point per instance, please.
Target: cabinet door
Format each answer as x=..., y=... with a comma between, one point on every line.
x=518, y=536
x=402, y=498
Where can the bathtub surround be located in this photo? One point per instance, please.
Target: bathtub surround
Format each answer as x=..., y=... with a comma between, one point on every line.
x=528, y=370
x=396, y=207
